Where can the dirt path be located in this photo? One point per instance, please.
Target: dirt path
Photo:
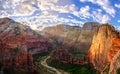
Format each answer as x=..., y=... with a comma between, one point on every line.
x=51, y=68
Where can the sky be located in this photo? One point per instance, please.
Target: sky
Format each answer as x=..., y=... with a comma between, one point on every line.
x=41, y=13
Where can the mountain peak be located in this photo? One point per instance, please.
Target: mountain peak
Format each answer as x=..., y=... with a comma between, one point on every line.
x=5, y=20
x=108, y=26
x=104, y=47
x=90, y=26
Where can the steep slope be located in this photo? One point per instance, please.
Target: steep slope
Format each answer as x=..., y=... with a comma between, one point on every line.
x=105, y=49
x=60, y=58
x=71, y=37
x=34, y=41
x=17, y=45
x=64, y=56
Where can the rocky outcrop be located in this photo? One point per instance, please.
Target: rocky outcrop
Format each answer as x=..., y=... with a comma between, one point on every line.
x=104, y=50
x=64, y=56
x=34, y=41
x=14, y=54
x=90, y=26
x=18, y=43
x=71, y=37
x=36, y=45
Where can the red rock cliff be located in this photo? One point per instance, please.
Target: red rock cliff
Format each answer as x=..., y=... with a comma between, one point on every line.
x=65, y=57
x=14, y=54
x=105, y=47
x=18, y=43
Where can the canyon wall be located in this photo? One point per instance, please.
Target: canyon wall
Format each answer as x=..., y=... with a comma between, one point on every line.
x=18, y=43
x=71, y=37
x=104, y=50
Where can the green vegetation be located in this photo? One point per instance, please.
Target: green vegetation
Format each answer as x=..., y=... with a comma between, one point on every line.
x=78, y=54
x=106, y=70
x=73, y=69
x=37, y=62
x=1, y=65
x=13, y=70
x=87, y=36
x=38, y=56
x=17, y=71
x=118, y=71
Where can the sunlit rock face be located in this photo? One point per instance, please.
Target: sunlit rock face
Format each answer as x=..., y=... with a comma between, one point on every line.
x=104, y=48
x=18, y=43
x=71, y=37
x=114, y=55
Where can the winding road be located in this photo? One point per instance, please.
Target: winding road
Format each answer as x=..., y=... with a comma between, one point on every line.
x=43, y=62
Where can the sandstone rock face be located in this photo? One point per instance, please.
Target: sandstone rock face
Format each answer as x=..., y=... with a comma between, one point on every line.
x=64, y=56
x=14, y=54
x=71, y=37
x=36, y=44
x=90, y=26
x=18, y=43
x=105, y=48
x=114, y=55
x=34, y=41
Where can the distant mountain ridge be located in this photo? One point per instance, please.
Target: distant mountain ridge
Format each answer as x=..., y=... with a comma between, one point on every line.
x=74, y=37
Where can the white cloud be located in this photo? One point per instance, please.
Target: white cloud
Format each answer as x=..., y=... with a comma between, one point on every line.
x=24, y=10
x=41, y=21
x=17, y=7
x=50, y=12
x=46, y=5
x=84, y=11
x=72, y=7
x=99, y=17
x=117, y=27
x=117, y=5
x=118, y=21
x=24, y=7
x=104, y=4
x=82, y=0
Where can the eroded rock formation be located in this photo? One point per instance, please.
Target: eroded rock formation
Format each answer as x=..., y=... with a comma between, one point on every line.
x=17, y=45
x=105, y=49
x=64, y=56
x=71, y=37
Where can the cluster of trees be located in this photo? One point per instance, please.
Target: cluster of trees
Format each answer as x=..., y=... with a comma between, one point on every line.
x=73, y=69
